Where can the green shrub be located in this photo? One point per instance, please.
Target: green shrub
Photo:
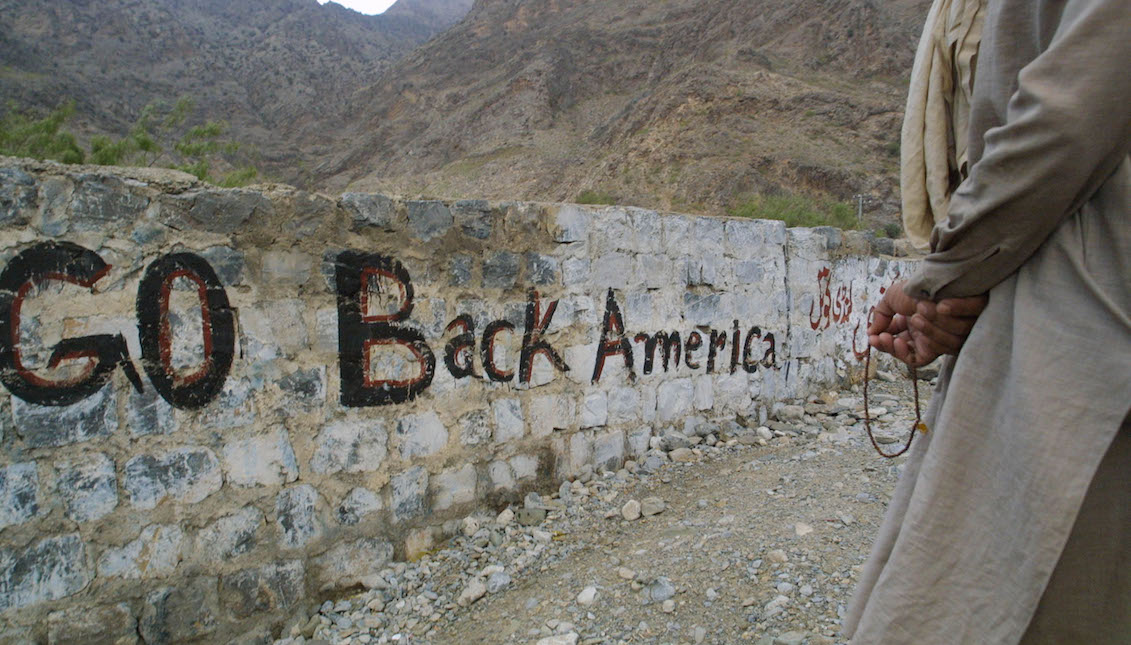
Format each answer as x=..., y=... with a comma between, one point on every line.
x=596, y=197
x=22, y=136
x=798, y=210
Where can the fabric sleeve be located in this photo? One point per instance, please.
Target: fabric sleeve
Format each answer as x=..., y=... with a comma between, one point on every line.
x=1067, y=128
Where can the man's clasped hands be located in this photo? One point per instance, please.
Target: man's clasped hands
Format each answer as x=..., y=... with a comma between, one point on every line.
x=919, y=331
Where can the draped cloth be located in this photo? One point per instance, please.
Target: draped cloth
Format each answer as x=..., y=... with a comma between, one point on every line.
x=936, y=122
x=982, y=541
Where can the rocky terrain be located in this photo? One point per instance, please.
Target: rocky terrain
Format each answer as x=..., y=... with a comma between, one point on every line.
x=720, y=534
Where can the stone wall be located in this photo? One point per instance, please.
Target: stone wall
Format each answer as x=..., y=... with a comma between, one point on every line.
x=221, y=406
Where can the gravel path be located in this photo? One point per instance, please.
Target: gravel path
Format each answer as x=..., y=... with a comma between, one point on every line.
x=757, y=538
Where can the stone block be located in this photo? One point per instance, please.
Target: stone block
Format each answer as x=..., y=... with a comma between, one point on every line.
x=595, y=410
x=51, y=220
x=286, y=268
x=349, y=564
x=188, y=475
x=524, y=467
x=647, y=404
x=19, y=493
x=233, y=408
x=748, y=272
x=613, y=269
x=353, y=446
x=186, y=612
x=369, y=210
x=47, y=570
x=227, y=211
x=44, y=426
x=571, y=224
x=674, y=400
x=638, y=309
x=357, y=504
x=306, y=387
x=549, y=413
x=229, y=264
x=261, y=460
x=638, y=441
x=326, y=331
x=541, y=269
x=580, y=452
x=708, y=233
x=648, y=231
x=624, y=405
x=701, y=308
x=704, y=393
x=676, y=235
x=654, y=271
x=154, y=554
x=611, y=231
x=428, y=219
x=296, y=512
x=273, y=329
x=473, y=217
x=501, y=476
x=105, y=625
x=18, y=196
x=453, y=487
x=229, y=536
x=147, y=413
x=269, y=588
x=459, y=271
x=575, y=271
x=409, y=493
x=475, y=428
x=102, y=204
x=509, y=422
x=500, y=270
x=743, y=237
x=88, y=487
x=608, y=450
x=421, y=435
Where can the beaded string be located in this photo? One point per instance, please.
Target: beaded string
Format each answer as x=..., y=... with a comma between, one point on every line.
x=919, y=425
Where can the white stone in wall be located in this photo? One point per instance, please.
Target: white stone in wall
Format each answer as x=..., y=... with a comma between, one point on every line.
x=296, y=515
x=475, y=428
x=580, y=451
x=524, y=466
x=229, y=536
x=187, y=475
x=263, y=460
x=595, y=410
x=509, y=424
x=655, y=271
x=731, y=391
x=326, y=331
x=154, y=554
x=579, y=358
x=273, y=329
x=88, y=487
x=638, y=440
x=674, y=400
x=571, y=224
x=288, y=268
x=676, y=235
x=550, y=412
x=454, y=487
x=408, y=493
x=421, y=435
x=611, y=231
x=624, y=405
x=501, y=475
x=614, y=269
x=575, y=271
x=349, y=564
x=608, y=450
x=353, y=446
x=647, y=403
x=708, y=233
x=359, y=503
x=647, y=231
x=19, y=493
x=233, y=408
x=704, y=392
x=47, y=570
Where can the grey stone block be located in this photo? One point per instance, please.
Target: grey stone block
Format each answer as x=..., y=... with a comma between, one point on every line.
x=624, y=405
x=148, y=413
x=421, y=435
x=51, y=220
x=614, y=270
x=453, y=487
x=429, y=219
x=19, y=493
x=261, y=460
x=571, y=224
x=88, y=487
x=349, y=564
x=501, y=475
x=229, y=536
x=500, y=271
x=305, y=387
x=369, y=210
x=188, y=475
x=102, y=204
x=674, y=399
x=409, y=493
x=49, y=569
x=541, y=269
x=549, y=413
x=18, y=196
x=233, y=408
x=575, y=271
x=351, y=446
x=226, y=211
x=595, y=410
x=296, y=511
x=289, y=268
x=186, y=612
x=708, y=233
x=474, y=428
x=509, y=423
x=228, y=263
x=701, y=309
x=524, y=466
x=269, y=588
x=44, y=426
x=748, y=272
x=273, y=329
x=474, y=218
x=459, y=271
x=154, y=554
x=357, y=504
x=608, y=450
x=638, y=440
x=105, y=625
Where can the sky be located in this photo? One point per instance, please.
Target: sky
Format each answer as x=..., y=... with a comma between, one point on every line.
x=364, y=6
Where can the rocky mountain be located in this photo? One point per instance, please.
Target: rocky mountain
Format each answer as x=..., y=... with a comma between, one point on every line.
x=279, y=71
x=683, y=104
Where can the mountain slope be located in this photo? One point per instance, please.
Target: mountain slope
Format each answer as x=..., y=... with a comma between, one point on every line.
x=684, y=104
x=276, y=70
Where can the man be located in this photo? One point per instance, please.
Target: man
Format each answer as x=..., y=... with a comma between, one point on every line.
x=1012, y=522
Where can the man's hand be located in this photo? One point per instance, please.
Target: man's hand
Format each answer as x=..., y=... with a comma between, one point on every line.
x=919, y=331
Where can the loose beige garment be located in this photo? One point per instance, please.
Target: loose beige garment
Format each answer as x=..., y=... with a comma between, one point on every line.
x=936, y=122
x=1024, y=415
